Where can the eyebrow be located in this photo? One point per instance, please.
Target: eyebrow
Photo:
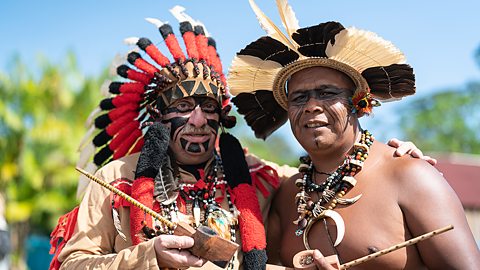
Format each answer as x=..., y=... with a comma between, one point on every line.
x=323, y=87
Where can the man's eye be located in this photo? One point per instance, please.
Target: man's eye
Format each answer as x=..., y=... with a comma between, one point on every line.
x=209, y=108
x=299, y=98
x=183, y=107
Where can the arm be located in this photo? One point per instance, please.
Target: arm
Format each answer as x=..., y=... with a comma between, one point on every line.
x=432, y=204
x=95, y=242
x=273, y=232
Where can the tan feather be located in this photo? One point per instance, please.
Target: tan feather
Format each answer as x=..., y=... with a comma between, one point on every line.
x=87, y=137
x=271, y=29
x=86, y=154
x=290, y=21
x=83, y=181
x=363, y=49
x=248, y=73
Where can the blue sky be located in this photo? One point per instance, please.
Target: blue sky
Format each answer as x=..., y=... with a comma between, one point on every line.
x=438, y=37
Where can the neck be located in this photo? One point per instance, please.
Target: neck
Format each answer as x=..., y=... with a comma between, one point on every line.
x=329, y=159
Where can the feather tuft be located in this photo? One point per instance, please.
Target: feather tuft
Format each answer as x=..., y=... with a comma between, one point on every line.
x=262, y=113
x=155, y=22
x=363, y=49
x=289, y=20
x=131, y=40
x=251, y=73
x=271, y=29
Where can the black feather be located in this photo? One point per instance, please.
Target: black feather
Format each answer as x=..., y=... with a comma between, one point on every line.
x=235, y=166
x=313, y=40
x=267, y=48
x=154, y=151
x=261, y=111
x=397, y=81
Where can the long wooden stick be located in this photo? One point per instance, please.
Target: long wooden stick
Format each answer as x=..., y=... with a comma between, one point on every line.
x=333, y=260
x=129, y=199
x=395, y=247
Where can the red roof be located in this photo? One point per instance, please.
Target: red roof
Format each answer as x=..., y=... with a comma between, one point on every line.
x=462, y=172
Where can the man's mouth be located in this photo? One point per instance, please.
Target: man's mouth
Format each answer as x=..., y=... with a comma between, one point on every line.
x=315, y=124
x=196, y=137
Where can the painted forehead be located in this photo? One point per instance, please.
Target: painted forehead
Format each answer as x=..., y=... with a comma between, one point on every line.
x=318, y=78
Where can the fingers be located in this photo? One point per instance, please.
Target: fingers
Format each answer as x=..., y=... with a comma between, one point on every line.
x=394, y=142
x=175, y=242
x=171, y=253
x=430, y=160
x=324, y=263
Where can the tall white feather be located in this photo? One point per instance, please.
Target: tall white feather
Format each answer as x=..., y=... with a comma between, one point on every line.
x=248, y=73
x=271, y=29
x=363, y=49
x=155, y=22
x=289, y=20
x=179, y=13
x=83, y=181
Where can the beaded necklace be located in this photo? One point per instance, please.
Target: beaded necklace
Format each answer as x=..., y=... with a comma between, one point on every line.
x=202, y=195
x=331, y=191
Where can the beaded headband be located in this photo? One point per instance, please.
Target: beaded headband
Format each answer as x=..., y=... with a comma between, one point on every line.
x=259, y=73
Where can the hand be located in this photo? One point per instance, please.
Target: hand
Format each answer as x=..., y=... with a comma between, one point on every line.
x=324, y=263
x=168, y=249
x=409, y=148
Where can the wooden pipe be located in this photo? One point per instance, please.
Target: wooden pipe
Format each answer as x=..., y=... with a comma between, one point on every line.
x=207, y=244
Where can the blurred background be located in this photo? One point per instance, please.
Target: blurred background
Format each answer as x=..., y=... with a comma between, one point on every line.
x=56, y=54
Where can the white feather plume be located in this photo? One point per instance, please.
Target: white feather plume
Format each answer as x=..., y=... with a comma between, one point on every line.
x=179, y=13
x=289, y=20
x=91, y=116
x=271, y=29
x=86, y=138
x=131, y=40
x=86, y=153
x=116, y=62
x=363, y=49
x=155, y=22
x=105, y=88
x=248, y=73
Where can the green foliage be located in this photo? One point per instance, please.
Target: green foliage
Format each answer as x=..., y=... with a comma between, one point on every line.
x=448, y=121
x=41, y=124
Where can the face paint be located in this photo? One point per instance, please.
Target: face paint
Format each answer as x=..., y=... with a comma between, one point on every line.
x=193, y=130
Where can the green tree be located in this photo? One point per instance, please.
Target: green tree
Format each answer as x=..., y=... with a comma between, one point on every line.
x=448, y=121
x=42, y=111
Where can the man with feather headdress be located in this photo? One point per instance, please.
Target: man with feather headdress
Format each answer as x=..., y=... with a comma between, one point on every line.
x=172, y=112
x=352, y=196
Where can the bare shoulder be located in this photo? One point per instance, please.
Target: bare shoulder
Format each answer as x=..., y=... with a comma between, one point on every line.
x=286, y=191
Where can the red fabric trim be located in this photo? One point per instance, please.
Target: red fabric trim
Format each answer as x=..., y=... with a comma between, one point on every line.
x=132, y=87
x=61, y=234
x=126, y=98
x=121, y=122
x=268, y=174
x=174, y=48
x=202, y=46
x=156, y=55
x=125, y=185
x=145, y=66
x=123, y=134
x=189, y=39
x=139, y=76
x=142, y=191
x=138, y=146
x=122, y=150
x=250, y=219
x=120, y=111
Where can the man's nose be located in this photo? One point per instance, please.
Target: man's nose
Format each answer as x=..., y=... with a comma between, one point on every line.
x=313, y=105
x=197, y=117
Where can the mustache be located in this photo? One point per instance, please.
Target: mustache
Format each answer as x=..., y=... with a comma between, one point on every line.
x=192, y=129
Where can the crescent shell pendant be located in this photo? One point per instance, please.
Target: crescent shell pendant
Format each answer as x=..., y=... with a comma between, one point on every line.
x=339, y=223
